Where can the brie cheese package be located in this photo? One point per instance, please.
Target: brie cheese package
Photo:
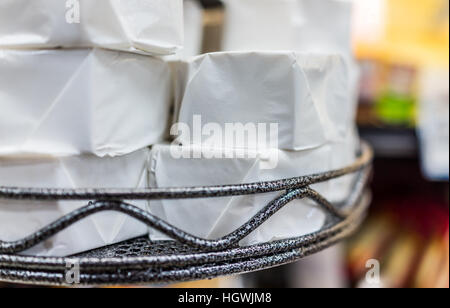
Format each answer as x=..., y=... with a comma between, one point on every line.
x=300, y=25
x=67, y=102
x=21, y=218
x=144, y=26
x=302, y=99
x=181, y=166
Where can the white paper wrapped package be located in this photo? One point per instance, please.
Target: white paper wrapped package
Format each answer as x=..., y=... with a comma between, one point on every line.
x=67, y=102
x=193, y=31
x=305, y=95
x=19, y=219
x=299, y=25
x=217, y=217
x=193, y=28
x=148, y=26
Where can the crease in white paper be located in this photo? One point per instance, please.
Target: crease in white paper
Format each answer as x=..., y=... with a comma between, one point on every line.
x=300, y=92
x=71, y=102
x=57, y=100
x=142, y=26
x=222, y=217
x=214, y=218
x=21, y=218
x=299, y=25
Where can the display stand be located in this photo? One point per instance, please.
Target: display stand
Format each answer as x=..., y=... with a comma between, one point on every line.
x=187, y=258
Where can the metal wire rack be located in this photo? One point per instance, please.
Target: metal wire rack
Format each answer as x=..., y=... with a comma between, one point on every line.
x=141, y=261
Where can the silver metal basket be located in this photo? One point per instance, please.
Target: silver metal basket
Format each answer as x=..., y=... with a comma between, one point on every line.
x=141, y=261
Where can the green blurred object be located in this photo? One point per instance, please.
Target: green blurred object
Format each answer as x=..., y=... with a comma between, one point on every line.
x=396, y=109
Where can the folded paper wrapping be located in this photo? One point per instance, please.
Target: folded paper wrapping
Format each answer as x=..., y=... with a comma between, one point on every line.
x=19, y=219
x=299, y=25
x=193, y=28
x=305, y=95
x=149, y=26
x=193, y=31
x=214, y=218
x=67, y=102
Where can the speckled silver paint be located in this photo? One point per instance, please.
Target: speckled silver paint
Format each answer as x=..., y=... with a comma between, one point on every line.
x=140, y=261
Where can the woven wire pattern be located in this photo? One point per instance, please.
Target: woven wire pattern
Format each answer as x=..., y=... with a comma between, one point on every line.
x=141, y=261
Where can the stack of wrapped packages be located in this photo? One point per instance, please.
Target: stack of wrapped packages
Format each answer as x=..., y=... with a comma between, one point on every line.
x=279, y=102
x=83, y=94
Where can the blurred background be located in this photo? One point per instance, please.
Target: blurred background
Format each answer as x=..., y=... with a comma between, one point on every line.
x=402, y=50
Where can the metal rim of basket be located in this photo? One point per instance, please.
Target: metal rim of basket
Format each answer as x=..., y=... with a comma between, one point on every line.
x=209, y=258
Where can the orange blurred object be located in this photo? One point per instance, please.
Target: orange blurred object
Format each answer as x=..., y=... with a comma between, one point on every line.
x=406, y=32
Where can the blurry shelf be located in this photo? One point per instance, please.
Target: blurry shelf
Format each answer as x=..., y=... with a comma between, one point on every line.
x=391, y=142
x=211, y=3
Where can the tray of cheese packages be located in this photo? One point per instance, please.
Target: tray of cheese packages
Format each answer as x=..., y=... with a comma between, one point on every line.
x=120, y=165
